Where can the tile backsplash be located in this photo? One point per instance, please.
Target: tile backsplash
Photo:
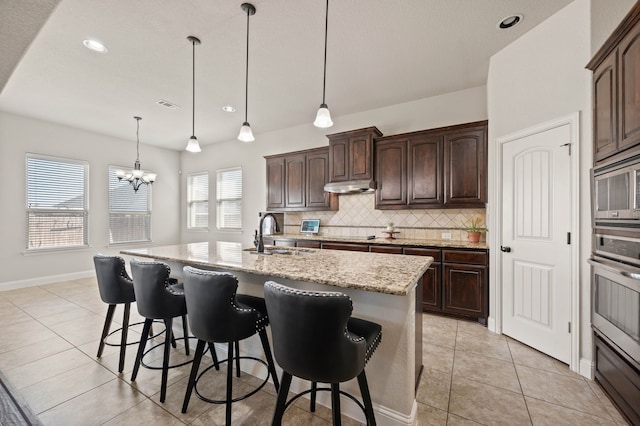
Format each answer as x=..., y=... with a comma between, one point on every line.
x=358, y=217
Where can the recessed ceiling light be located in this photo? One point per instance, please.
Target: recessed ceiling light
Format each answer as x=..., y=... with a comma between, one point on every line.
x=228, y=108
x=95, y=46
x=510, y=21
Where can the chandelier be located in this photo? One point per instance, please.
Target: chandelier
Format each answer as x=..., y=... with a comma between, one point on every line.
x=137, y=176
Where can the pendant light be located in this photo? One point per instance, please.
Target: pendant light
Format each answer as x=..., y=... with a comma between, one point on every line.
x=246, y=135
x=193, y=145
x=323, y=117
x=137, y=176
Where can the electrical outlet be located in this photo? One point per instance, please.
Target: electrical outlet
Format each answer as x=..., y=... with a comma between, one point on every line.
x=446, y=235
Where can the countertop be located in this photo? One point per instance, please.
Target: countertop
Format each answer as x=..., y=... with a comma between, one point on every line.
x=375, y=272
x=384, y=241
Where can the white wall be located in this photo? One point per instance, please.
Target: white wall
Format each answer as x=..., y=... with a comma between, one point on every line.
x=453, y=108
x=540, y=77
x=20, y=135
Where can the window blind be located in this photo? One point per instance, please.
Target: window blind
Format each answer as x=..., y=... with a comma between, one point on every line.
x=229, y=198
x=129, y=211
x=57, y=208
x=198, y=201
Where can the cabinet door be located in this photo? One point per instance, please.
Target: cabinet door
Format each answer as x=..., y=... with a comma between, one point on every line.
x=345, y=246
x=317, y=173
x=431, y=280
x=275, y=183
x=360, y=158
x=604, y=109
x=391, y=173
x=465, y=290
x=308, y=244
x=386, y=249
x=339, y=155
x=465, y=162
x=425, y=171
x=295, y=188
x=629, y=90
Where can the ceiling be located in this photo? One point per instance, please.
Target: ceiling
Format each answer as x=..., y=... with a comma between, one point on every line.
x=379, y=53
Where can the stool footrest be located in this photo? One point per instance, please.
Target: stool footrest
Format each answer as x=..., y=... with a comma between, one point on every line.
x=238, y=398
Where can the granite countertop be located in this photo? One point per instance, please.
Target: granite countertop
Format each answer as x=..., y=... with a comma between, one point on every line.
x=376, y=272
x=384, y=241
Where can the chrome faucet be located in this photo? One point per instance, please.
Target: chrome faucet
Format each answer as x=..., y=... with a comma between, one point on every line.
x=260, y=247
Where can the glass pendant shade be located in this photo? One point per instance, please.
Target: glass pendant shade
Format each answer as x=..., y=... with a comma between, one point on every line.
x=193, y=145
x=246, y=135
x=323, y=117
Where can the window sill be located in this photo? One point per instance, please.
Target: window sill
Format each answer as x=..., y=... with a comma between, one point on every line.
x=52, y=250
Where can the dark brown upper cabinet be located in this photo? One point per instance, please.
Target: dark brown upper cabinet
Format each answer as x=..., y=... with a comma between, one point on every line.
x=465, y=167
x=351, y=154
x=438, y=168
x=616, y=92
x=295, y=181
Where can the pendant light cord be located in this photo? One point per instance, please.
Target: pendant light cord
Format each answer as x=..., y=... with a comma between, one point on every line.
x=246, y=79
x=326, y=28
x=137, y=139
x=193, y=104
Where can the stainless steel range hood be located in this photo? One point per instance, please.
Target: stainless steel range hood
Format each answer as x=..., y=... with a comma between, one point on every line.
x=351, y=187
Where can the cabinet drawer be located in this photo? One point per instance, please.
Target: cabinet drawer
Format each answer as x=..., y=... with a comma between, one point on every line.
x=285, y=243
x=463, y=256
x=309, y=244
x=385, y=249
x=435, y=253
x=345, y=246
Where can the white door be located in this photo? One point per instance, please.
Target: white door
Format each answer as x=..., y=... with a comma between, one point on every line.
x=535, y=246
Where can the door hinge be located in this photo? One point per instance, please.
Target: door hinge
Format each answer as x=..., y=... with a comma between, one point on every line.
x=568, y=144
x=568, y=237
x=569, y=327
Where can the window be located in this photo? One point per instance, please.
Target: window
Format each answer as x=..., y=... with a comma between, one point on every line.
x=198, y=201
x=57, y=203
x=229, y=197
x=129, y=211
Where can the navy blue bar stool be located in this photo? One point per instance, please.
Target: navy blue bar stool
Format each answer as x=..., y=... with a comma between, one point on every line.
x=315, y=338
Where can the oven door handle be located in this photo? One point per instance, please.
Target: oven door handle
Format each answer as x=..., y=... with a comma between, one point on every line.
x=632, y=275
x=615, y=267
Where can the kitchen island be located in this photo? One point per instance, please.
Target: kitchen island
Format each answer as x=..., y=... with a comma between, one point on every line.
x=383, y=288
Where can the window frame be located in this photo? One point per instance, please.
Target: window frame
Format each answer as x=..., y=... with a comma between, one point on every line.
x=83, y=213
x=220, y=200
x=191, y=203
x=112, y=169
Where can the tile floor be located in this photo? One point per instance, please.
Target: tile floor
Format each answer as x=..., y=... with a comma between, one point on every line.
x=50, y=337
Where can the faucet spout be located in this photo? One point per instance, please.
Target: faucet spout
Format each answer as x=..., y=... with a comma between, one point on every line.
x=260, y=247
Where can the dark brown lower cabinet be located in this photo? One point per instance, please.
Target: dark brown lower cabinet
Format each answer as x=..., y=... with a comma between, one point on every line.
x=309, y=244
x=619, y=377
x=465, y=283
x=431, y=282
x=345, y=246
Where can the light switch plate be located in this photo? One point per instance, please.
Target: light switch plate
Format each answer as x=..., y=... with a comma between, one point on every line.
x=446, y=235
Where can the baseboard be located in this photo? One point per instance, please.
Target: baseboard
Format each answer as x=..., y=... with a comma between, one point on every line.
x=587, y=368
x=33, y=282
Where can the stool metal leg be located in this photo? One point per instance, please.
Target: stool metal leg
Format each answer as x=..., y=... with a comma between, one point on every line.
x=214, y=356
x=185, y=332
x=335, y=403
x=197, y=357
x=237, y=358
x=267, y=352
x=282, y=399
x=141, y=346
x=123, y=340
x=366, y=398
x=229, y=383
x=165, y=359
x=314, y=387
x=105, y=330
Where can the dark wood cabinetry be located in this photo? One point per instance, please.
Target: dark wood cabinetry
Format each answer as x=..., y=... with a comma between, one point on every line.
x=616, y=92
x=438, y=168
x=295, y=181
x=345, y=246
x=431, y=280
x=351, y=154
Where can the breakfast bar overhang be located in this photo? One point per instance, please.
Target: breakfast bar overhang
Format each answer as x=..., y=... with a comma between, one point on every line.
x=384, y=289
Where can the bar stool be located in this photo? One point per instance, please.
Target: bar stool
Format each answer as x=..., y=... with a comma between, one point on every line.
x=116, y=288
x=218, y=315
x=157, y=299
x=315, y=338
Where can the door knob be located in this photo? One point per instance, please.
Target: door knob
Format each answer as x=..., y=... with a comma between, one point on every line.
x=506, y=249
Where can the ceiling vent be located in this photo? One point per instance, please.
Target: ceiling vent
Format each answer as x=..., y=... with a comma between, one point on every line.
x=167, y=104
